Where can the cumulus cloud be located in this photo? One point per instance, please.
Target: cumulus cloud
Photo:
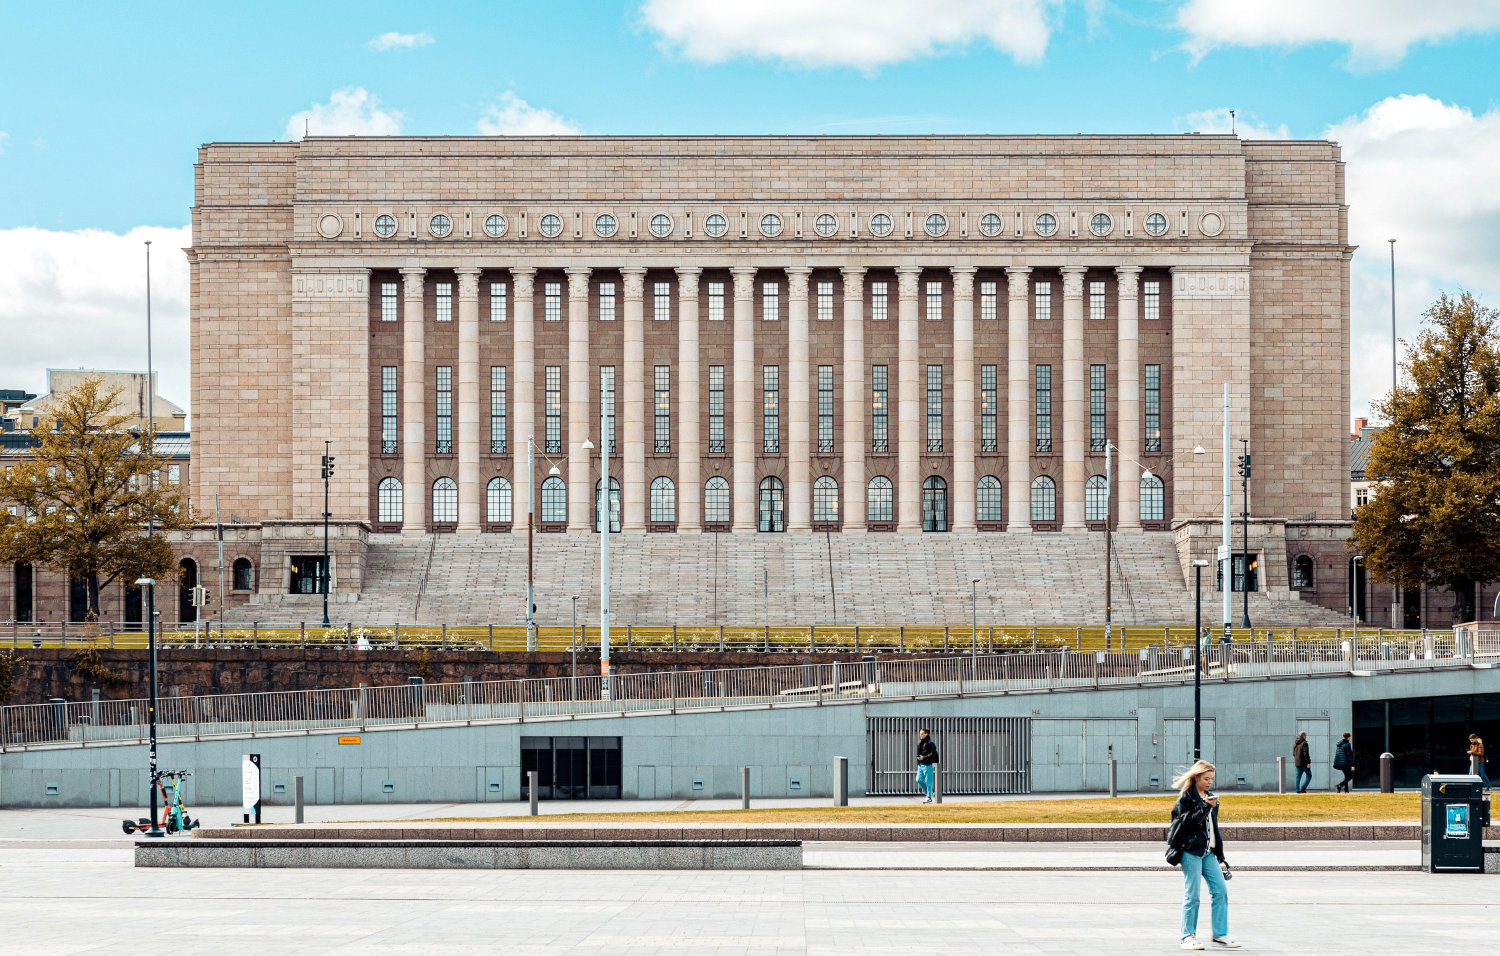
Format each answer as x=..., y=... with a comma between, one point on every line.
x=1217, y=120
x=399, y=41
x=1377, y=32
x=513, y=116
x=864, y=34
x=78, y=300
x=352, y=111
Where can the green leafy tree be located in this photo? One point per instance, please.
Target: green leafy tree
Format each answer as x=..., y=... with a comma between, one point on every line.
x=83, y=498
x=1434, y=519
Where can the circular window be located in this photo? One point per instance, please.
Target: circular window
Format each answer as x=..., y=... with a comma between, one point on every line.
x=826, y=225
x=716, y=225
x=661, y=225
x=1211, y=224
x=936, y=224
x=440, y=225
x=329, y=226
x=990, y=224
x=1156, y=224
x=606, y=225
x=494, y=226
x=385, y=226
x=880, y=224
x=1046, y=224
x=550, y=226
x=1100, y=225
x=770, y=225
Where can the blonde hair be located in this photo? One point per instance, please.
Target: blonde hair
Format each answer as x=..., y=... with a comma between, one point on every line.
x=1189, y=777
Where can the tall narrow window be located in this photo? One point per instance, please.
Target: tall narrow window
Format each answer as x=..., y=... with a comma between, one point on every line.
x=1096, y=499
x=554, y=501
x=552, y=301
x=388, y=406
x=825, y=409
x=1042, y=311
x=444, y=295
x=716, y=302
x=716, y=501
x=663, y=379
x=607, y=404
x=934, y=504
x=444, y=410
x=1044, y=408
x=879, y=301
x=880, y=439
x=1097, y=437
x=388, y=501
x=879, y=504
x=989, y=301
x=990, y=500
x=499, y=302
x=614, y=505
x=497, y=501
x=934, y=302
x=661, y=301
x=606, y=302
x=663, y=500
x=387, y=301
x=1153, y=499
x=1151, y=300
x=1153, y=408
x=716, y=409
x=770, y=425
x=1043, y=499
x=772, y=504
x=826, y=500
x=770, y=302
x=934, y=408
x=825, y=301
x=553, y=380
x=989, y=408
x=499, y=417
x=444, y=501
x=1096, y=301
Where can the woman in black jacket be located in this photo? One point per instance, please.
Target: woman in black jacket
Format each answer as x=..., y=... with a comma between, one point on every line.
x=1343, y=759
x=1195, y=831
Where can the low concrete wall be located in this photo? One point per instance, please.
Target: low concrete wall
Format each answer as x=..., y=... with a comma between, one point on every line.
x=475, y=855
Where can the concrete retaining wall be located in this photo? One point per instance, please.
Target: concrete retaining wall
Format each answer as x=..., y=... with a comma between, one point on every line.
x=476, y=855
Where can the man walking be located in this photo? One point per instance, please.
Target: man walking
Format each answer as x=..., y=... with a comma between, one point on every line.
x=1476, y=759
x=1343, y=759
x=927, y=758
x=1302, y=760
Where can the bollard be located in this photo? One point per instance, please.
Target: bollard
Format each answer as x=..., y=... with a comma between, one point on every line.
x=1387, y=773
x=937, y=784
x=744, y=788
x=1281, y=774
x=1114, y=790
x=297, y=801
x=531, y=789
x=841, y=781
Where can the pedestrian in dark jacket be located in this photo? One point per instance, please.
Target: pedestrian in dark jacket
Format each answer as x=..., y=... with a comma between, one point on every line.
x=1195, y=831
x=927, y=758
x=1343, y=759
x=1302, y=760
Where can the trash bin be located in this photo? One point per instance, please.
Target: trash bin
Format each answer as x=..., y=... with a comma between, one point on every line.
x=1453, y=819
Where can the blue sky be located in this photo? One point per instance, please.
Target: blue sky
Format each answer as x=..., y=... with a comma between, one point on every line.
x=102, y=107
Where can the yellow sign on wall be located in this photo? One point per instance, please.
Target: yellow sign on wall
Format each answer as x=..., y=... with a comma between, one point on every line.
x=348, y=740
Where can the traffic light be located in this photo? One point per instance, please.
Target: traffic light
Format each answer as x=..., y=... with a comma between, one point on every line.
x=200, y=596
x=328, y=466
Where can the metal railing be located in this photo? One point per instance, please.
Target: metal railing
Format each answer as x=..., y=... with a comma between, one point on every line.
x=65, y=724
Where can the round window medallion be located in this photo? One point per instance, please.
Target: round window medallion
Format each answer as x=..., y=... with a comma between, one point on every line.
x=605, y=225
x=826, y=225
x=1046, y=224
x=440, y=225
x=936, y=224
x=880, y=224
x=1211, y=224
x=329, y=226
x=716, y=225
x=550, y=226
x=494, y=226
x=385, y=226
x=1101, y=224
x=990, y=224
x=770, y=225
x=661, y=225
x=1156, y=224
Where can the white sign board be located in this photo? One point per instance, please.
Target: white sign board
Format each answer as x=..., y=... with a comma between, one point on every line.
x=250, y=782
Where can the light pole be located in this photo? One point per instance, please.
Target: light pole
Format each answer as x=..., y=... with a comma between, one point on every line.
x=1393, y=316
x=1354, y=595
x=573, y=642
x=601, y=503
x=1198, y=566
x=1226, y=561
x=1245, y=523
x=974, y=615
x=150, y=585
x=327, y=568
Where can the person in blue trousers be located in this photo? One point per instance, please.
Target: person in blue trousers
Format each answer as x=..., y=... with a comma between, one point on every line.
x=1195, y=826
x=927, y=758
x=1302, y=759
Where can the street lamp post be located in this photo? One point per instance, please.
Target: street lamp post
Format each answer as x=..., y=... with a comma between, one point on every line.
x=327, y=568
x=1198, y=566
x=530, y=554
x=1109, y=510
x=573, y=641
x=1226, y=559
x=602, y=503
x=974, y=616
x=150, y=585
x=1245, y=523
x=1354, y=595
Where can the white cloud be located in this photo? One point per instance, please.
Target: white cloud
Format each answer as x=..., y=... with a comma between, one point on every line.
x=864, y=34
x=513, y=116
x=1377, y=32
x=1245, y=125
x=1423, y=172
x=399, y=41
x=352, y=111
x=4, y=138
x=78, y=300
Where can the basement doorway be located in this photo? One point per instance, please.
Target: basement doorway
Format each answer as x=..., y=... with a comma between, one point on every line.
x=571, y=768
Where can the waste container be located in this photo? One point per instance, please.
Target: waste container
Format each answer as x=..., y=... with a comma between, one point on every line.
x=1454, y=813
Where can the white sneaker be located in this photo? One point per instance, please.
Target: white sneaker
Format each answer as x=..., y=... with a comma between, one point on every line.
x=1191, y=942
x=1226, y=942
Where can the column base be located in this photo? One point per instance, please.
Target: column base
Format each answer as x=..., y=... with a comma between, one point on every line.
x=468, y=529
x=966, y=529
x=413, y=532
x=1075, y=527
x=1018, y=529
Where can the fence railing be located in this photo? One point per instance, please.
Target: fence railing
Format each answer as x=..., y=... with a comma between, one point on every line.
x=62, y=723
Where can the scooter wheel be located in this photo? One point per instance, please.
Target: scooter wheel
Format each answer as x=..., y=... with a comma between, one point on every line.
x=128, y=827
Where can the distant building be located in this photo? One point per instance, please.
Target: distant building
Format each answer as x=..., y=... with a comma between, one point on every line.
x=29, y=412
x=10, y=400
x=1360, y=491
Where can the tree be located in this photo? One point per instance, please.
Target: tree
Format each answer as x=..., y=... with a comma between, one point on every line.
x=1435, y=519
x=82, y=500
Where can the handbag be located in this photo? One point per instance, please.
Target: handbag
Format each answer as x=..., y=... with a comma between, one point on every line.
x=1174, y=852
x=1174, y=855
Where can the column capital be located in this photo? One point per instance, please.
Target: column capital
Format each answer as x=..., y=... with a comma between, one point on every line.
x=524, y=279
x=687, y=281
x=578, y=280
x=1073, y=281
x=796, y=281
x=963, y=281
x=1018, y=276
x=906, y=281
x=1128, y=280
x=413, y=276
x=744, y=281
x=468, y=281
x=635, y=281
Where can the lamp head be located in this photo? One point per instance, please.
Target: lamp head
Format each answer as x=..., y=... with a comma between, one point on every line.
x=145, y=582
x=554, y=471
x=1200, y=563
x=588, y=445
x=1198, y=450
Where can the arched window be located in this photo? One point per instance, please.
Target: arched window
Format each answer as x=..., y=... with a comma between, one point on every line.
x=614, y=505
x=1153, y=499
x=991, y=500
x=444, y=501
x=879, y=506
x=1043, y=499
x=554, y=501
x=1096, y=499
x=497, y=501
x=772, y=504
x=1302, y=572
x=826, y=500
x=188, y=579
x=388, y=501
x=663, y=500
x=244, y=575
x=716, y=501
x=934, y=504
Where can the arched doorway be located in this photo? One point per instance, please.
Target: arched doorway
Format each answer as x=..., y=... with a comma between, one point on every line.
x=186, y=613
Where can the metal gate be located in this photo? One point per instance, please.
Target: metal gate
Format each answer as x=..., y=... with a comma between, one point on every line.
x=976, y=754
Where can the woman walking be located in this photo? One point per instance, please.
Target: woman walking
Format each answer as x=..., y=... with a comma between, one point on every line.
x=1343, y=759
x=1195, y=828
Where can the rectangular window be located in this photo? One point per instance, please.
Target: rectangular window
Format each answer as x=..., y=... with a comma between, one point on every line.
x=934, y=302
x=499, y=302
x=1152, y=295
x=445, y=410
x=770, y=302
x=989, y=301
x=825, y=409
x=989, y=401
x=1096, y=301
x=661, y=301
x=934, y=408
x=716, y=302
x=387, y=301
x=770, y=425
x=498, y=411
x=663, y=409
x=607, y=402
x=1153, y=408
x=444, y=294
x=552, y=301
x=1097, y=437
x=880, y=439
x=825, y=301
x=879, y=302
x=1043, y=309
x=553, y=380
x=1237, y=580
x=1044, y=408
x=606, y=302
x=174, y=474
x=1361, y=497
x=716, y=409
x=388, y=406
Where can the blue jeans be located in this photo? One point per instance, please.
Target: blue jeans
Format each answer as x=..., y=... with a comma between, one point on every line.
x=924, y=778
x=1204, y=867
x=1479, y=770
x=1303, y=783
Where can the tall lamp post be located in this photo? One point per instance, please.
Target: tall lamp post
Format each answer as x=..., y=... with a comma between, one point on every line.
x=1198, y=566
x=1245, y=523
x=602, y=505
x=327, y=568
x=150, y=585
x=974, y=616
x=1226, y=560
x=1354, y=595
